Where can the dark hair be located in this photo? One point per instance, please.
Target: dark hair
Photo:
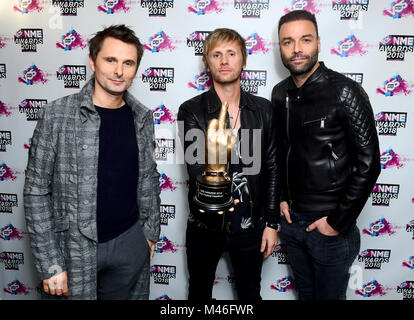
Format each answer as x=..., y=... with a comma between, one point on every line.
x=120, y=32
x=220, y=35
x=298, y=15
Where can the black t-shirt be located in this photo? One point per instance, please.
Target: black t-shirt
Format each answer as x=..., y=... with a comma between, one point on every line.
x=117, y=208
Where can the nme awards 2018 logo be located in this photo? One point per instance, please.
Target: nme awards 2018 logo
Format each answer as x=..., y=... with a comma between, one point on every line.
x=251, y=8
x=349, y=9
x=383, y=193
x=71, y=40
x=29, y=39
x=400, y=9
x=159, y=42
x=7, y=202
x=396, y=46
x=157, y=8
x=374, y=258
x=251, y=80
x=350, y=46
x=407, y=289
x=163, y=147
x=158, y=78
x=11, y=260
x=202, y=7
x=196, y=40
x=3, y=74
x=410, y=227
x=27, y=6
x=167, y=212
x=388, y=123
x=5, y=140
x=357, y=77
x=163, y=273
x=32, y=75
x=68, y=7
x=202, y=81
x=280, y=253
x=308, y=5
x=71, y=75
x=31, y=108
x=395, y=86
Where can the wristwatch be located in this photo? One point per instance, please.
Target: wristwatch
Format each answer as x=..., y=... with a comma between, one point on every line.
x=275, y=226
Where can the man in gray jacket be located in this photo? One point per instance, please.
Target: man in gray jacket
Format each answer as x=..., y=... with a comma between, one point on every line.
x=91, y=194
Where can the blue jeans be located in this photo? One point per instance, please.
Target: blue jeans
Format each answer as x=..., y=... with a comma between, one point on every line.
x=320, y=263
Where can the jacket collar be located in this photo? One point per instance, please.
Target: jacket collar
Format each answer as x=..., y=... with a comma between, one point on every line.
x=317, y=74
x=214, y=102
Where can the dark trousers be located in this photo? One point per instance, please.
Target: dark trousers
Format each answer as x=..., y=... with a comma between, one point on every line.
x=320, y=263
x=122, y=264
x=204, y=250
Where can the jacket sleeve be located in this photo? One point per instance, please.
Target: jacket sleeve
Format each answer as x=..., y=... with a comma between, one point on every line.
x=189, y=122
x=37, y=193
x=272, y=169
x=359, y=125
x=152, y=225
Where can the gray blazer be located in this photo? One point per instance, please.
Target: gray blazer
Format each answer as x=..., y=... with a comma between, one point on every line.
x=60, y=189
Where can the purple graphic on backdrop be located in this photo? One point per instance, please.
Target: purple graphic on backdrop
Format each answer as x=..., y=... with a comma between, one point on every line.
x=32, y=75
x=113, y=6
x=163, y=297
x=256, y=44
x=9, y=232
x=162, y=114
x=370, y=289
x=409, y=263
x=166, y=183
x=202, y=7
x=16, y=288
x=282, y=285
x=395, y=86
x=400, y=9
x=389, y=159
x=71, y=40
x=5, y=109
x=165, y=245
x=379, y=228
x=308, y=5
x=27, y=6
x=202, y=81
x=159, y=42
x=350, y=46
x=6, y=173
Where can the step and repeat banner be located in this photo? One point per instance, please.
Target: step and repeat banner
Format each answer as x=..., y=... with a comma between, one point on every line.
x=44, y=56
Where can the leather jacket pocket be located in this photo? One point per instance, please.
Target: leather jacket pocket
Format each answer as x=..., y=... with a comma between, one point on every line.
x=319, y=121
x=332, y=158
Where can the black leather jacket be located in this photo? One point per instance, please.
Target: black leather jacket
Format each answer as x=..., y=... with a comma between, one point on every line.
x=256, y=113
x=329, y=144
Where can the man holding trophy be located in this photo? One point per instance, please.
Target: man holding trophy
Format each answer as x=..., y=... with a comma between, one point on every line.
x=230, y=152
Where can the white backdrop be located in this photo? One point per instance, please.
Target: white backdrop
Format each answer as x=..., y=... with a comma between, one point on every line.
x=44, y=56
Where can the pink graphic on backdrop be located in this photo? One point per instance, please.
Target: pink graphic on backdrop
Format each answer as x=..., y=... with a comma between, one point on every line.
x=16, y=288
x=350, y=46
x=372, y=288
x=166, y=183
x=202, y=81
x=395, y=86
x=409, y=263
x=28, y=144
x=9, y=232
x=6, y=173
x=400, y=9
x=4, y=109
x=390, y=159
x=159, y=42
x=113, y=6
x=308, y=5
x=27, y=6
x=202, y=7
x=163, y=297
x=3, y=41
x=379, y=228
x=285, y=284
x=165, y=245
x=32, y=75
x=71, y=40
x=255, y=44
x=162, y=114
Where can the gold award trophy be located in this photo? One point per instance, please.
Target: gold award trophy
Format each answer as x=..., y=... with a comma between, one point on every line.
x=213, y=192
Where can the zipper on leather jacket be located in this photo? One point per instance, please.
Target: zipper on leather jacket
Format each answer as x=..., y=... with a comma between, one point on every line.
x=334, y=155
x=322, y=120
x=288, y=151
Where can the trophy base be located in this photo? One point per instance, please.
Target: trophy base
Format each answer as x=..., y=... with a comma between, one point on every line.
x=213, y=196
x=213, y=206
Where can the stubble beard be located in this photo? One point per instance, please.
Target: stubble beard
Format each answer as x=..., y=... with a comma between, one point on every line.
x=303, y=69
